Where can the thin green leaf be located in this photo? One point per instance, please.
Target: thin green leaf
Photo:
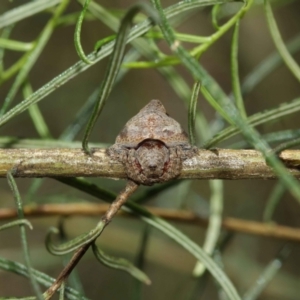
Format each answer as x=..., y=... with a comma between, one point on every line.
x=192, y=112
x=254, y=139
x=191, y=247
x=183, y=37
x=4, y=35
x=215, y=223
x=36, y=116
x=26, y=10
x=274, y=115
x=280, y=45
x=120, y=264
x=137, y=291
x=215, y=104
x=268, y=274
x=17, y=197
x=15, y=45
x=273, y=201
x=77, y=33
x=144, y=243
x=85, y=111
x=85, y=186
x=71, y=18
x=33, y=55
x=11, y=71
x=15, y=142
x=104, y=41
x=169, y=230
x=73, y=244
x=103, y=14
x=73, y=279
x=173, y=78
x=199, y=50
x=273, y=137
x=62, y=292
x=114, y=66
x=235, y=72
x=41, y=278
x=287, y=145
x=267, y=66
x=214, y=16
x=80, y=66
x=16, y=223
x=249, y=132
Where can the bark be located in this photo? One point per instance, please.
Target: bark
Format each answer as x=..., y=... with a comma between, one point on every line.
x=206, y=164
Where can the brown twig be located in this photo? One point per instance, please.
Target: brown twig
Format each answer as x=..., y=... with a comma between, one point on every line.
x=91, y=209
x=206, y=164
x=109, y=214
x=62, y=277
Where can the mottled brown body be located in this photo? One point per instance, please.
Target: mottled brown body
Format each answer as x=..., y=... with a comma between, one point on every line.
x=152, y=146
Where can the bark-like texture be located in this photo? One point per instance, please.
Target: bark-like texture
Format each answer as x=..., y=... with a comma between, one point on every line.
x=206, y=164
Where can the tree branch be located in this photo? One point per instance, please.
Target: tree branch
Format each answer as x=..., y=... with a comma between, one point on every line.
x=110, y=212
x=207, y=164
x=92, y=209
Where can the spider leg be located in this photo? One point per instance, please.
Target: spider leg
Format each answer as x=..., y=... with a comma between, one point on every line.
x=186, y=151
x=118, y=152
x=174, y=166
x=133, y=168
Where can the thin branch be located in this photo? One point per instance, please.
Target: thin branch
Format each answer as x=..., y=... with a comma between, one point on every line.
x=207, y=164
x=111, y=211
x=92, y=209
x=66, y=271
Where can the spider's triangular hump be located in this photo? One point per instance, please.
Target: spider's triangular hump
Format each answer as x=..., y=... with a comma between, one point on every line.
x=152, y=122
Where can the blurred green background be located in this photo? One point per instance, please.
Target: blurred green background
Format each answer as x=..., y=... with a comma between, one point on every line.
x=166, y=263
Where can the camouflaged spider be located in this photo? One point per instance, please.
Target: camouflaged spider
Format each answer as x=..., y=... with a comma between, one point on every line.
x=152, y=146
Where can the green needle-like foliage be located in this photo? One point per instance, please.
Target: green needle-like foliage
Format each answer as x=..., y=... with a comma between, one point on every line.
x=221, y=99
